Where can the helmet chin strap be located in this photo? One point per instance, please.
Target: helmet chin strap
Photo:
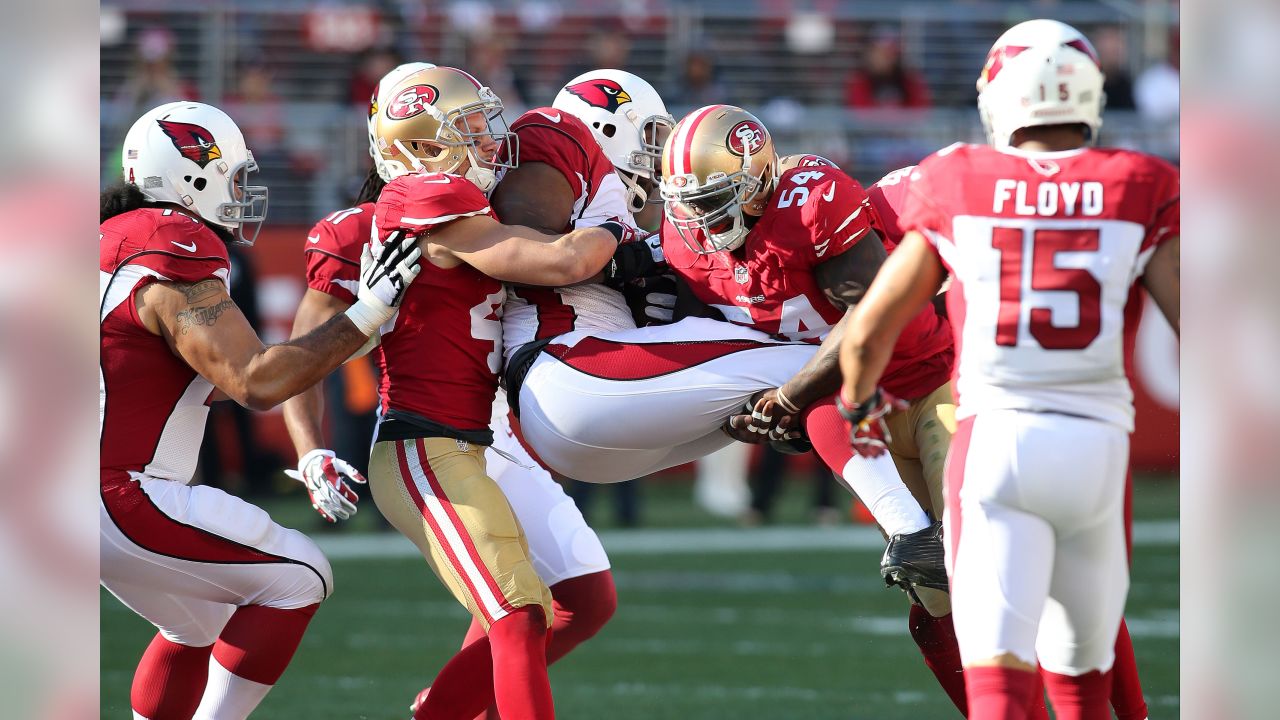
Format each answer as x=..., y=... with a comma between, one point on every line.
x=484, y=178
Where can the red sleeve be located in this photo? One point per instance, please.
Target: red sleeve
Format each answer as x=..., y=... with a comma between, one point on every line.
x=1166, y=221
x=551, y=136
x=887, y=198
x=183, y=250
x=835, y=214
x=920, y=211
x=333, y=261
x=422, y=203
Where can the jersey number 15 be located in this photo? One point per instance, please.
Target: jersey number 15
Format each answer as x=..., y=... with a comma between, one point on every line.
x=1045, y=275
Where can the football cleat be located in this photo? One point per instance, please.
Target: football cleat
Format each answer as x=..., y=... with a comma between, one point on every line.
x=915, y=561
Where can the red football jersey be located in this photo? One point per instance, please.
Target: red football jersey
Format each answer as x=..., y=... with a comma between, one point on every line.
x=815, y=214
x=1044, y=250
x=152, y=405
x=558, y=139
x=440, y=357
x=924, y=356
x=333, y=251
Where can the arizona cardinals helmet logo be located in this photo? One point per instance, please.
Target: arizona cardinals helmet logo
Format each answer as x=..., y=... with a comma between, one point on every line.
x=194, y=142
x=606, y=94
x=747, y=137
x=411, y=101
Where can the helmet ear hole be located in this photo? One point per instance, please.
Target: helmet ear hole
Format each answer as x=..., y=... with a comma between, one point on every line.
x=186, y=178
x=199, y=183
x=609, y=130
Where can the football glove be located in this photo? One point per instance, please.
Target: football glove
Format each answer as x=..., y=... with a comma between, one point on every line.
x=327, y=480
x=639, y=255
x=652, y=300
x=386, y=271
x=868, y=431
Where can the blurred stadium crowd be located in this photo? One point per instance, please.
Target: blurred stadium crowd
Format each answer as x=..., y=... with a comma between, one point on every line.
x=872, y=85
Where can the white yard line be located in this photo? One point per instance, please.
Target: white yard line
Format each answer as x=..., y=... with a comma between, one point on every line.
x=702, y=541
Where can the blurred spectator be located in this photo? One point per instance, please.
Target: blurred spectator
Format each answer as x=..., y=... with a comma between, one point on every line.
x=488, y=59
x=256, y=467
x=371, y=65
x=257, y=110
x=610, y=47
x=626, y=500
x=699, y=83
x=152, y=80
x=768, y=478
x=1157, y=88
x=1113, y=55
x=720, y=480
x=884, y=81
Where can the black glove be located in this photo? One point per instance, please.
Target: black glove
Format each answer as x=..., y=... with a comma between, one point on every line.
x=638, y=255
x=652, y=300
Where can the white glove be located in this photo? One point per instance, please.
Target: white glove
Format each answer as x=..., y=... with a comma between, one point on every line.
x=384, y=278
x=326, y=478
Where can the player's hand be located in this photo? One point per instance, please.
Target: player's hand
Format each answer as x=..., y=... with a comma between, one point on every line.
x=775, y=416
x=387, y=269
x=868, y=431
x=639, y=255
x=327, y=480
x=652, y=300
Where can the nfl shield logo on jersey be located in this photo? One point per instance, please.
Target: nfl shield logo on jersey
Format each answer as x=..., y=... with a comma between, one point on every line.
x=740, y=274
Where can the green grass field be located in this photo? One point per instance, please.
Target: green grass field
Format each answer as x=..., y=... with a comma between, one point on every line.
x=698, y=635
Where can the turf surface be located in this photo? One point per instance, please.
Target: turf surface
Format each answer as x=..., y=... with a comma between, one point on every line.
x=780, y=634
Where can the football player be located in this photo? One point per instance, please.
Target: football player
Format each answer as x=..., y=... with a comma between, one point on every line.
x=230, y=591
x=565, y=551
x=438, y=140
x=1044, y=237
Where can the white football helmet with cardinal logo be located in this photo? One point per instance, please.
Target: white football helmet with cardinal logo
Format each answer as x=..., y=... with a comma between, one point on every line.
x=1040, y=72
x=193, y=155
x=628, y=119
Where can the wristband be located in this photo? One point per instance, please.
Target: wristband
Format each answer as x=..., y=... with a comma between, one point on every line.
x=786, y=403
x=367, y=319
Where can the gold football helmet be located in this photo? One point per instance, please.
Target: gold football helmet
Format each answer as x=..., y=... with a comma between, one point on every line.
x=718, y=166
x=438, y=119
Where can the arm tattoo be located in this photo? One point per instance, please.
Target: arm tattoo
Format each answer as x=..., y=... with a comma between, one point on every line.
x=203, y=290
x=207, y=315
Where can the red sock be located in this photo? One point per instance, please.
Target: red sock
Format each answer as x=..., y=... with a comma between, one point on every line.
x=518, y=642
x=170, y=680
x=258, y=642
x=936, y=638
x=998, y=693
x=583, y=605
x=495, y=670
x=1126, y=688
x=826, y=430
x=1079, y=698
x=1038, y=709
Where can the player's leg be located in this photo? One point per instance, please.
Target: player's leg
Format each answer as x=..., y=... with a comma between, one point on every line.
x=1081, y=619
x=1000, y=558
x=256, y=581
x=609, y=407
x=1127, y=699
x=435, y=492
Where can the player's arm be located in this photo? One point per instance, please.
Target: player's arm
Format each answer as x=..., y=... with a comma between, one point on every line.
x=1162, y=279
x=205, y=328
x=304, y=412
x=521, y=255
x=908, y=279
x=535, y=195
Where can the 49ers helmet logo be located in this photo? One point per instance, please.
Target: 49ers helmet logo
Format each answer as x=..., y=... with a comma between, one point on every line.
x=411, y=101
x=193, y=141
x=746, y=138
x=602, y=93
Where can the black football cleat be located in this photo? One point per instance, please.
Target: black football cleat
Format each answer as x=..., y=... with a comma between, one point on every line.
x=915, y=560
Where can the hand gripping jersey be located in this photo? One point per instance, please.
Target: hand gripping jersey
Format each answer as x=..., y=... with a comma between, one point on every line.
x=924, y=356
x=333, y=251
x=440, y=358
x=152, y=405
x=815, y=214
x=1044, y=249
x=554, y=137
